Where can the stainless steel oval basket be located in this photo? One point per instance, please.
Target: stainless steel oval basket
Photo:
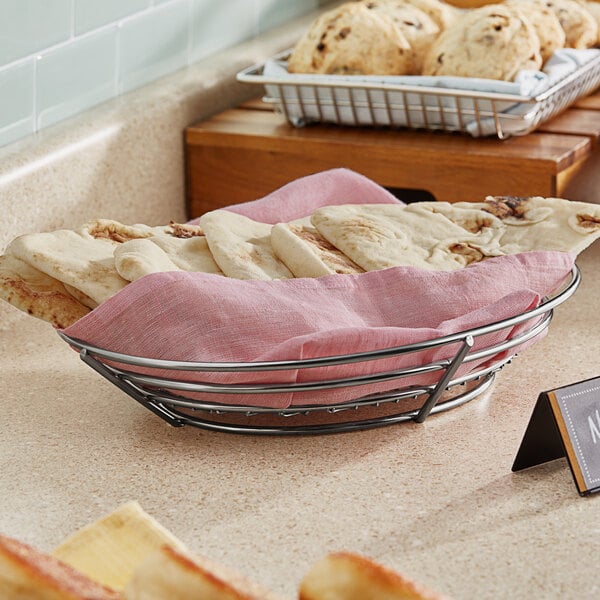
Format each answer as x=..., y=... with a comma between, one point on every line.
x=180, y=402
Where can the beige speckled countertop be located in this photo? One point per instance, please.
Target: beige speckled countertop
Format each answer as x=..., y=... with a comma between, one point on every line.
x=435, y=501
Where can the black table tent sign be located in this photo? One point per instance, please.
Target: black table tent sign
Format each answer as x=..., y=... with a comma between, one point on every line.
x=566, y=422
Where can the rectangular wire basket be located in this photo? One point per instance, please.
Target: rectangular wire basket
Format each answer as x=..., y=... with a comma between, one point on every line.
x=323, y=99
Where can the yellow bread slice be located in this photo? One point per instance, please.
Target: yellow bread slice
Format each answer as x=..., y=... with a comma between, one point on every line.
x=27, y=574
x=170, y=574
x=109, y=550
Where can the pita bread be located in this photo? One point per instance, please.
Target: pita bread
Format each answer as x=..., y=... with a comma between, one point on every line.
x=581, y=28
x=445, y=236
x=388, y=235
x=306, y=253
x=28, y=573
x=188, y=253
x=242, y=247
x=593, y=8
x=350, y=39
x=77, y=259
x=38, y=294
x=419, y=29
x=115, y=231
x=349, y=576
x=172, y=574
x=443, y=14
x=184, y=230
x=137, y=258
x=536, y=223
x=545, y=22
x=80, y=296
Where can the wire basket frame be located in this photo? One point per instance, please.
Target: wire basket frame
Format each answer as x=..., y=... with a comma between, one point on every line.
x=169, y=397
x=323, y=99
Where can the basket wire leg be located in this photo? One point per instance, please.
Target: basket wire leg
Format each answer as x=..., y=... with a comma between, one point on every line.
x=164, y=414
x=445, y=380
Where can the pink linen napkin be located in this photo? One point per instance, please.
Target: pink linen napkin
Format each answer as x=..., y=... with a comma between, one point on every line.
x=303, y=196
x=209, y=318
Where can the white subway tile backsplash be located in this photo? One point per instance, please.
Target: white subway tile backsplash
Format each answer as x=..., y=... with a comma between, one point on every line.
x=76, y=76
x=16, y=101
x=27, y=26
x=60, y=57
x=153, y=44
x=219, y=25
x=275, y=12
x=91, y=14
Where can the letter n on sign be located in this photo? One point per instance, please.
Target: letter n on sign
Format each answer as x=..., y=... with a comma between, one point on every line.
x=566, y=422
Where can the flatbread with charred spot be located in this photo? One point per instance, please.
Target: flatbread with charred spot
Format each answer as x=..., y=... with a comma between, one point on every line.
x=545, y=22
x=580, y=26
x=489, y=42
x=184, y=230
x=536, y=223
x=307, y=253
x=38, y=294
x=390, y=235
x=419, y=29
x=79, y=260
x=351, y=39
x=445, y=236
x=119, y=232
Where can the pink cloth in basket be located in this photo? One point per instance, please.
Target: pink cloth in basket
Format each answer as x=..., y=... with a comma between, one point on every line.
x=209, y=318
x=303, y=196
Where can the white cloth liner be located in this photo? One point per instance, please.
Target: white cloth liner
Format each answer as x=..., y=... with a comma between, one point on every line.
x=527, y=83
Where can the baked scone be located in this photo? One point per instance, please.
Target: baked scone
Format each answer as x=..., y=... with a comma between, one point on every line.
x=545, y=22
x=491, y=42
x=351, y=39
x=581, y=28
x=417, y=26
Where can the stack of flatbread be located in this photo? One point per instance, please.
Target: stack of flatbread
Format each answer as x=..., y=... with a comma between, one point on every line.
x=59, y=276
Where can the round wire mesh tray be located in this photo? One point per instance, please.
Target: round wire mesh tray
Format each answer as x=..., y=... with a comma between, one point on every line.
x=444, y=384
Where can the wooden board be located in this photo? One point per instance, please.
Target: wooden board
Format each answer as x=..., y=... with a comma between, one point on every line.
x=245, y=153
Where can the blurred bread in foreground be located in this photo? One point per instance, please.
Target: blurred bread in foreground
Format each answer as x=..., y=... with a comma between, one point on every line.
x=110, y=549
x=161, y=568
x=27, y=574
x=349, y=576
x=176, y=575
